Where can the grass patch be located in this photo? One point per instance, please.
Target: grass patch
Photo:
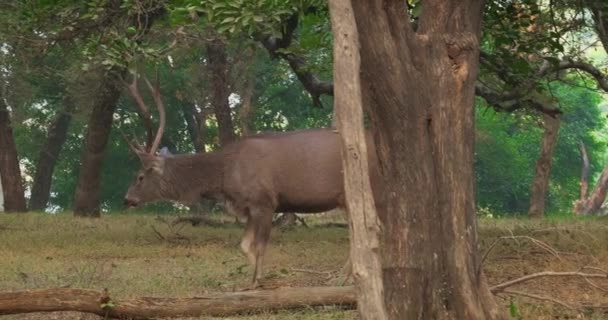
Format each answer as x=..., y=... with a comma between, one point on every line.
x=124, y=253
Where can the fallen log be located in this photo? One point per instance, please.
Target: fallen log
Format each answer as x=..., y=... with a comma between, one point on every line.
x=220, y=304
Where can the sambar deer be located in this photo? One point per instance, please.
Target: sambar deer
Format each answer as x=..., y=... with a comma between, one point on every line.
x=255, y=177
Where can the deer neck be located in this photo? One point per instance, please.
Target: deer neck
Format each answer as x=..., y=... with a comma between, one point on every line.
x=193, y=176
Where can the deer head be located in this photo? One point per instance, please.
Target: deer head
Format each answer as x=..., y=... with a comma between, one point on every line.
x=146, y=186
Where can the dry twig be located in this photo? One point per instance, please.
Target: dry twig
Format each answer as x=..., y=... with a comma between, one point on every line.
x=502, y=286
x=541, y=244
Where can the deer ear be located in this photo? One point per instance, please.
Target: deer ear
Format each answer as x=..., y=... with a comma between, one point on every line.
x=164, y=152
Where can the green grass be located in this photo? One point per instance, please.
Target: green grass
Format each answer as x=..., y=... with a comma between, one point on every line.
x=140, y=255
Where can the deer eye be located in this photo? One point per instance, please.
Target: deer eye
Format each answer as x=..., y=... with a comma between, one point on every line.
x=140, y=178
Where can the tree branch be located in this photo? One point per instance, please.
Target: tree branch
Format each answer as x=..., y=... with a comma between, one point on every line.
x=520, y=96
x=501, y=287
x=507, y=102
x=298, y=64
x=600, y=78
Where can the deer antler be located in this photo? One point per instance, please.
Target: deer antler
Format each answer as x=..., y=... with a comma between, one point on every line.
x=161, y=112
x=144, y=111
x=153, y=142
x=133, y=144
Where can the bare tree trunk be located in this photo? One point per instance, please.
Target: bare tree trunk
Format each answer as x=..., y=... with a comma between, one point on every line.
x=418, y=90
x=47, y=159
x=584, y=171
x=599, y=11
x=194, y=127
x=540, y=186
x=364, y=223
x=10, y=173
x=1, y=197
x=86, y=196
x=591, y=204
x=216, y=305
x=247, y=107
x=218, y=66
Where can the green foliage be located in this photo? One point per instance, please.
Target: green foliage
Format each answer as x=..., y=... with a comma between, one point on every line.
x=236, y=17
x=507, y=147
x=61, y=48
x=514, y=311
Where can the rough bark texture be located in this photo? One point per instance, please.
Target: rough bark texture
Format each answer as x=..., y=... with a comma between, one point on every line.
x=363, y=218
x=225, y=304
x=86, y=197
x=418, y=88
x=599, y=10
x=10, y=173
x=47, y=159
x=218, y=66
x=1, y=197
x=247, y=107
x=540, y=185
x=584, y=171
x=593, y=203
x=194, y=127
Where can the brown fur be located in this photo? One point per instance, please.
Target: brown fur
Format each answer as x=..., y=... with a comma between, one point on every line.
x=298, y=171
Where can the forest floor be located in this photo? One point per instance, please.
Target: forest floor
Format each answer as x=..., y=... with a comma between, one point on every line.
x=144, y=255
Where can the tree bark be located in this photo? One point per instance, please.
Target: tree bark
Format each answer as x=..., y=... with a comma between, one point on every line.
x=217, y=305
x=10, y=173
x=584, y=171
x=363, y=218
x=194, y=127
x=540, y=186
x=418, y=88
x=591, y=204
x=247, y=107
x=218, y=66
x=47, y=159
x=86, y=196
x=599, y=11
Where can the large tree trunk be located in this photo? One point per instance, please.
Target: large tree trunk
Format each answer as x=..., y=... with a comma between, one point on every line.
x=218, y=66
x=540, y=185
x=57, y=134
x=10, y=173
x=363, y=218
x=86, y=197
x=418, y=88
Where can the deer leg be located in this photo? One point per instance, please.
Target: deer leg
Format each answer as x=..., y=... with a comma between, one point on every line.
x=248, y=239
x=263, y=226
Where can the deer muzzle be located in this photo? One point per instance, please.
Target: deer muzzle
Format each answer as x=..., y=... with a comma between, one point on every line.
x=130, y=203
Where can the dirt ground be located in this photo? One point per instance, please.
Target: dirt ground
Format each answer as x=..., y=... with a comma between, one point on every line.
x=143, y=255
